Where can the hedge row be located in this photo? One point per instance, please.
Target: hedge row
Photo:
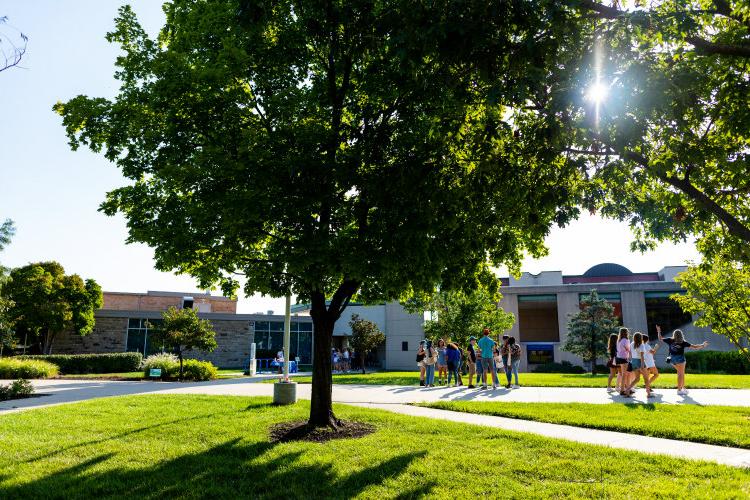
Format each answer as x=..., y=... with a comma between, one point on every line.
x=75, y=364
x=11, y=368
x=732, y=362
x=192, y=369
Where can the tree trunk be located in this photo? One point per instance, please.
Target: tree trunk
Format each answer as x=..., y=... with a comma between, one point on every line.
x=362, y=361
x=179, y=355
x=48, y=342
x=321, y=399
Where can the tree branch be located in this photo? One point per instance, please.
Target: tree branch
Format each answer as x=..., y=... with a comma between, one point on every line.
x=734, y=225
x=702, y=45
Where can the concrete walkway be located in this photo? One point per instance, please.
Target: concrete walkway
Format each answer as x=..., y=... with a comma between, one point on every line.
x=66, y=391
x=735, y=457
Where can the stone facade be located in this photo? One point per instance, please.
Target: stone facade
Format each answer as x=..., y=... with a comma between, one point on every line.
x=233, y=339
x=108, y=336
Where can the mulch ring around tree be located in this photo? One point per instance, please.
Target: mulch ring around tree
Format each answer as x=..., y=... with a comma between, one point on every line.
x=301, y=431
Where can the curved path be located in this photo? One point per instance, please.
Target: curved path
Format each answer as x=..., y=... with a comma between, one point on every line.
x=59, y=391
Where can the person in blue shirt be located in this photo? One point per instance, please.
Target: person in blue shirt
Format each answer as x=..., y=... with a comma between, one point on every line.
x=486, y=344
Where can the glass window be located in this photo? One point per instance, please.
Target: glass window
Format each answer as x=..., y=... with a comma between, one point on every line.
x=540, y=353
x=404, y=346
x=537, y=318
x=665, y=312
x=138, y=336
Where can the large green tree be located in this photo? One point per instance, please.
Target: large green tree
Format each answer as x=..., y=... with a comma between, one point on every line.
x=590, y=328
x=328, y=148
x=651, y=103
x=7, y=321
x=46, y=301
x=718, y=295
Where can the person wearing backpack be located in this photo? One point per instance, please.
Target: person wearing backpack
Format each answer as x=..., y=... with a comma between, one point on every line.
x=421, y=354
x=430, y=360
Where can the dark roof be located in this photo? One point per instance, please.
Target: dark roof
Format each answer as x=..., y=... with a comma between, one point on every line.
x=607, y=269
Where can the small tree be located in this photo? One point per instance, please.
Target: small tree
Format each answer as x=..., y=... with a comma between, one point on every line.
x=718, y=294
x=183, y=330
x=46, y=302
x=458, y=315
x=589, y=329
x=366, y=337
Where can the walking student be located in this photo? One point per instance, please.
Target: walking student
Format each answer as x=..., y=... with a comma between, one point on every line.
x=636, y=359
x=442, y=364
x=677, y=345
x=420, y=362
x=649, y=365
x=486, y=344
x=472, y=361
x=515, y=360
x=430, y=360
x=452, y=355
x=611, y=364
x=623, y=355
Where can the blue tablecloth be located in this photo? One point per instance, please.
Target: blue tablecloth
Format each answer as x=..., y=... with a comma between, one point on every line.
x=271, y=365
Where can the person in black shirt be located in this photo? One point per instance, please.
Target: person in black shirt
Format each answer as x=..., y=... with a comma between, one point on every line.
x=472, y=360
x=677, y=346
x=614, y=372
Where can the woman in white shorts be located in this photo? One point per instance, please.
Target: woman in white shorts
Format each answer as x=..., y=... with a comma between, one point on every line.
x=648, y=367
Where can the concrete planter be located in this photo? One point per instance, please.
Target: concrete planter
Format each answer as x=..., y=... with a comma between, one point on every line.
x=284, y=393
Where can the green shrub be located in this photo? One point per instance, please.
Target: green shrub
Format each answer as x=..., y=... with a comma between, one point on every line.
x=115, y=362
x=18, y=389
x=26, y=368
x=564, y=367
x=192, y=369
x=731, y=362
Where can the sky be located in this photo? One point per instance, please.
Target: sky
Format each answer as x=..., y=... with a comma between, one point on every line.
x=53, y=193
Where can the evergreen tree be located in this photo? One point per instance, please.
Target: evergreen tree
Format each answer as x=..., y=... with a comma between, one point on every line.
x=589, y=329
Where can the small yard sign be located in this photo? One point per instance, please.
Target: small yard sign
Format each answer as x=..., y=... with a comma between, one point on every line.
x=154, y=372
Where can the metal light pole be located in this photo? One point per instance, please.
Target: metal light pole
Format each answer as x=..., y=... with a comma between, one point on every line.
x=287, y=335
x=285, y=391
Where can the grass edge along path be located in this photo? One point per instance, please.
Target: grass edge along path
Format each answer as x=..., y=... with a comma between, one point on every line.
x=665, y=380
x=198, y=446
x=717, y=425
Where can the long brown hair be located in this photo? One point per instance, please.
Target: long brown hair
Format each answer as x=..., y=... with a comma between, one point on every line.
x=637, y=339
x=623, y=333
x=612, y=345
x=678, y=336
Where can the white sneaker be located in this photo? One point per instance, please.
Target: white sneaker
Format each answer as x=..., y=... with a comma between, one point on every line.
x=494, y=387
x=609, y=389
x=516, y=386
x=681, y=392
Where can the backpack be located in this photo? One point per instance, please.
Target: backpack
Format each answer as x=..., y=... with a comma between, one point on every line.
x=430, y=359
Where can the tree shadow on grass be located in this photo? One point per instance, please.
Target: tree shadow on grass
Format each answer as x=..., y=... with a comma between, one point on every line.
x=640, y=406
x=229, y=470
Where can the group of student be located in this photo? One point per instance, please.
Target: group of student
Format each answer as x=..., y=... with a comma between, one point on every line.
x=342, y=360
x=483, y=357
x=628, y=361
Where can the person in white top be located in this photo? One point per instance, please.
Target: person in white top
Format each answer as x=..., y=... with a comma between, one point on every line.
x=280, y=360
x=650, y=372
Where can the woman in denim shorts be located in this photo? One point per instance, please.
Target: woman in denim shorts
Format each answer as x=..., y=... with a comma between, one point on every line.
x=677, y=345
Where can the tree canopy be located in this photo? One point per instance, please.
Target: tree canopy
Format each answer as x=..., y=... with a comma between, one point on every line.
x=330, y=148
x=182, y=330
x=590, y=328
x=718, y=295
x=652, y=104
x=46, y=301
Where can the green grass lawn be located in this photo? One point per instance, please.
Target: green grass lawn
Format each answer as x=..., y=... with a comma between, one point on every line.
x=665, y=380
x=195, y=446
x=722, y=425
